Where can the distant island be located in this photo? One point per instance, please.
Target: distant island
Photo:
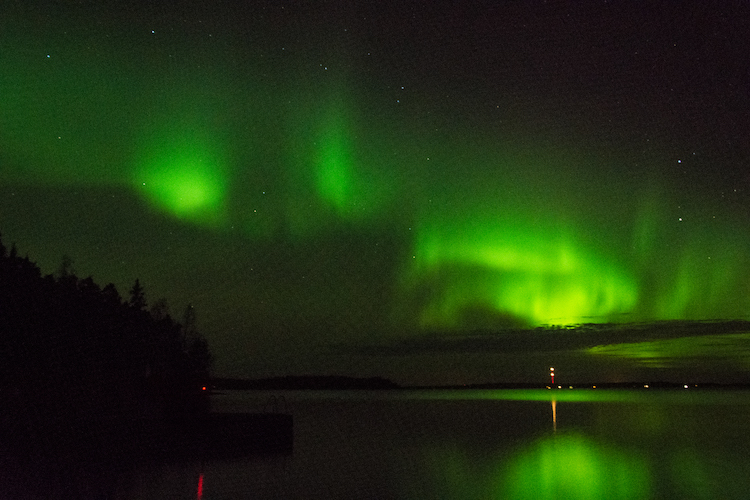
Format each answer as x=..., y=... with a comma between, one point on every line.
x=343, y=383
x=311, y=382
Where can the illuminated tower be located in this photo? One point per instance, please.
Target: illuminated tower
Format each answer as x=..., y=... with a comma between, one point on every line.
x=552, y=375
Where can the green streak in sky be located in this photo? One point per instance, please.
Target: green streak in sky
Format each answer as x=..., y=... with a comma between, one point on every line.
x=333, y=164
x=348, y=172
x=708, y=282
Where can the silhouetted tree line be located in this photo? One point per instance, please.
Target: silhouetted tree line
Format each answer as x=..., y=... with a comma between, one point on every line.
x=79, y=360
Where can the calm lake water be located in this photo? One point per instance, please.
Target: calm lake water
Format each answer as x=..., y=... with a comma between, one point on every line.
x=512, y=444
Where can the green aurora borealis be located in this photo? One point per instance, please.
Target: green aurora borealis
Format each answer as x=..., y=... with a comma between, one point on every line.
x=346, y=196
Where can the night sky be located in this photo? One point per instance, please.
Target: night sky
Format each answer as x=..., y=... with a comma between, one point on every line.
x=401, y=189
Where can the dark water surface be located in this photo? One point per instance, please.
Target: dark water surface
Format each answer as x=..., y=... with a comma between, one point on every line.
x=535, y=444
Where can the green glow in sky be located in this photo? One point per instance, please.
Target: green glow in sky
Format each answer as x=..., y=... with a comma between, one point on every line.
x=508, y=219
x=333, y=164
x=347, y=178
x=491, y=259
x=62, y=116
x=536, y=272
x=181, y=171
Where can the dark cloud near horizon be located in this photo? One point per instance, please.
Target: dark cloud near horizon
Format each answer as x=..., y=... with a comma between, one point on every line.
x=541, y=340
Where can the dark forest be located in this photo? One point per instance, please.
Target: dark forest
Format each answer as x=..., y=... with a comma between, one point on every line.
x=83, y=367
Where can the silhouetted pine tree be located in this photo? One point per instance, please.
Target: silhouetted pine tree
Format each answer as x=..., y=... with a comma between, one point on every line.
x=137, y=296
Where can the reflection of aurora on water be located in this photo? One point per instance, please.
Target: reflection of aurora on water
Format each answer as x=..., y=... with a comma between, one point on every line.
x=605, y=444
x=563, y=466
x=574, y=466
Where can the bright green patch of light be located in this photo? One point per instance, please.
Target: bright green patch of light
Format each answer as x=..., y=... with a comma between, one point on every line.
x=181, y=172
x=537, y=272
x=573, y=466
x=525, y=248
x=186, y=189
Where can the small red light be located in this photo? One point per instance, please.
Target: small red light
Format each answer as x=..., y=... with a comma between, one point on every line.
x=204, y=387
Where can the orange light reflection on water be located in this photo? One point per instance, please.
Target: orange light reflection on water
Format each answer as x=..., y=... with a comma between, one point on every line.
x=554, y=415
